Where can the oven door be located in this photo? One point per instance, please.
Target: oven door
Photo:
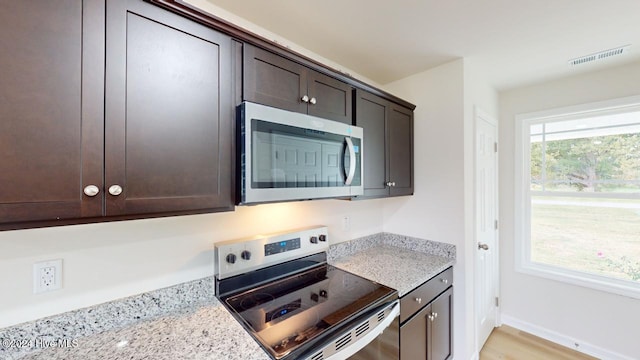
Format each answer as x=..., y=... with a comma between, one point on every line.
x=384, y=346
x=291, y=156
x=373, y=336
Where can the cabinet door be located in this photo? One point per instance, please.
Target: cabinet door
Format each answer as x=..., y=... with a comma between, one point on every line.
x=51, y=112
x=333, y=98
x=168, y=112
x=371, y=115
x=414, y=336
x=270, y=79
x=440, y=330
x=400, y=148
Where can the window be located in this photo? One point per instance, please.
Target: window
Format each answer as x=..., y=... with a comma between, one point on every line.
x=578, y=195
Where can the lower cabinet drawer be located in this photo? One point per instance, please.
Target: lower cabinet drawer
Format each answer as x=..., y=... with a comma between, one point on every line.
x=422, y=295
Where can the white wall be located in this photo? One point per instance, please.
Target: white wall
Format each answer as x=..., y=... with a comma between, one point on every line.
x=107, y=261
x=594, y=319
x=442, y=206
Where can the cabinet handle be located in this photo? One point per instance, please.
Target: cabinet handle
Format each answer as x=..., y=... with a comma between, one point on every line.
x=435, y=315
x=305, y=99
x=390, y=184
x=313, y=101
x=431, y=317
x=115, y=190
x=445, y=281
x=419, y=300
x=393, y=184
x=91, y=190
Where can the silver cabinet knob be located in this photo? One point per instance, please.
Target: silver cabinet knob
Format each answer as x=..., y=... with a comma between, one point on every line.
x=115, y=190
x=390, y=183
x=435, y=315
x=393, y=183
x=431, y=317
x=419, y=300
x=91, y=190
x=305, y=99
x=445, y=281
x=313, y=101
x=482, y=246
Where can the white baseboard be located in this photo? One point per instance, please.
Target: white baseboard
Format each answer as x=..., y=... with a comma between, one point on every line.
x=475, y=356
x=563, y=340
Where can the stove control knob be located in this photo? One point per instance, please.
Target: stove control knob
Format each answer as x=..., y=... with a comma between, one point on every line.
x=314, y=239
x=245, y=255
x=324, y=294
x=231, y=258
x=323, y=237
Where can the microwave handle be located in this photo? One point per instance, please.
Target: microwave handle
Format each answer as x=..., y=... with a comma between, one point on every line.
x=352, y=161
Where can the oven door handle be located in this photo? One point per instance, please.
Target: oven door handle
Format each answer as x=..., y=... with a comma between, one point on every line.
x=368, y=338
x=352, y=161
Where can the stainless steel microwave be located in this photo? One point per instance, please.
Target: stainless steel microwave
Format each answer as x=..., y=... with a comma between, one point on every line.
x=291, y=156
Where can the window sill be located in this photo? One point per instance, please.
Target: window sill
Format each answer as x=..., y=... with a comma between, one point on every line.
x=609, y=285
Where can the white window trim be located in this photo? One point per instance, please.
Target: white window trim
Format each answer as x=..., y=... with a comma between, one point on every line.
x=522, y=199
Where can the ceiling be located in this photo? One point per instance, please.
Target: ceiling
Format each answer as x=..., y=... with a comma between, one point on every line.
x=512, y=42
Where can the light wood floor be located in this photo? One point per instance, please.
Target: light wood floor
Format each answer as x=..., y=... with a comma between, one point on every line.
x=507, y=343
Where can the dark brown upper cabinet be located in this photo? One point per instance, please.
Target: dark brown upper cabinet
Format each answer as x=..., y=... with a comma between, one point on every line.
x=51, y=108
x=388, y=146
x=151, y=135
x=276, y=81
x=169, y=112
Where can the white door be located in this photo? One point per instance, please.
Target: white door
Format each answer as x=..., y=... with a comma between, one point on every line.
x=486, y=226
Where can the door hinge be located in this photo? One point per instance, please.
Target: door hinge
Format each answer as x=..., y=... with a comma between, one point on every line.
x=497, y=301
x=495, y=147
x=495, y=224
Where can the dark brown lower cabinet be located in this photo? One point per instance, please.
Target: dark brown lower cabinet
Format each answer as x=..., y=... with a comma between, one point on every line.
x=427, y=335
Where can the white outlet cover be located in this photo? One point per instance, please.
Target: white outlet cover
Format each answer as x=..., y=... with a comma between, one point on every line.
x=346, y=223
x=47, y=276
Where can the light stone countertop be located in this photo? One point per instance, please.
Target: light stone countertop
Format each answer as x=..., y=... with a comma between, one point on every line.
x=399, y=262
x=207, y=331
x=395, y=267
x=184, y=321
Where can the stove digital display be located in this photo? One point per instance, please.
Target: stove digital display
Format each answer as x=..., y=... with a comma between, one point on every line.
x=282, y=310
x=281, y=246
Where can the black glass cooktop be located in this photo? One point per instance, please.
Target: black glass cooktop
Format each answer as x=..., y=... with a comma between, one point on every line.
x=293, y=312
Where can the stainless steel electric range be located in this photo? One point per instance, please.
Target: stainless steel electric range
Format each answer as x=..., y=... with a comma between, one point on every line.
x=281, y=289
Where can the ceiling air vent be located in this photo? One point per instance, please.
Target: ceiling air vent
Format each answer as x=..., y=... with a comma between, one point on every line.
x=600, y=55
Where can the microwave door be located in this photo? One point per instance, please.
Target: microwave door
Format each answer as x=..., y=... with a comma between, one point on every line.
x=290, y=156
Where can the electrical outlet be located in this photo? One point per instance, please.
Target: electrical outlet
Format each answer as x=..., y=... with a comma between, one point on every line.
x=47, y=276
x=346, y=223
